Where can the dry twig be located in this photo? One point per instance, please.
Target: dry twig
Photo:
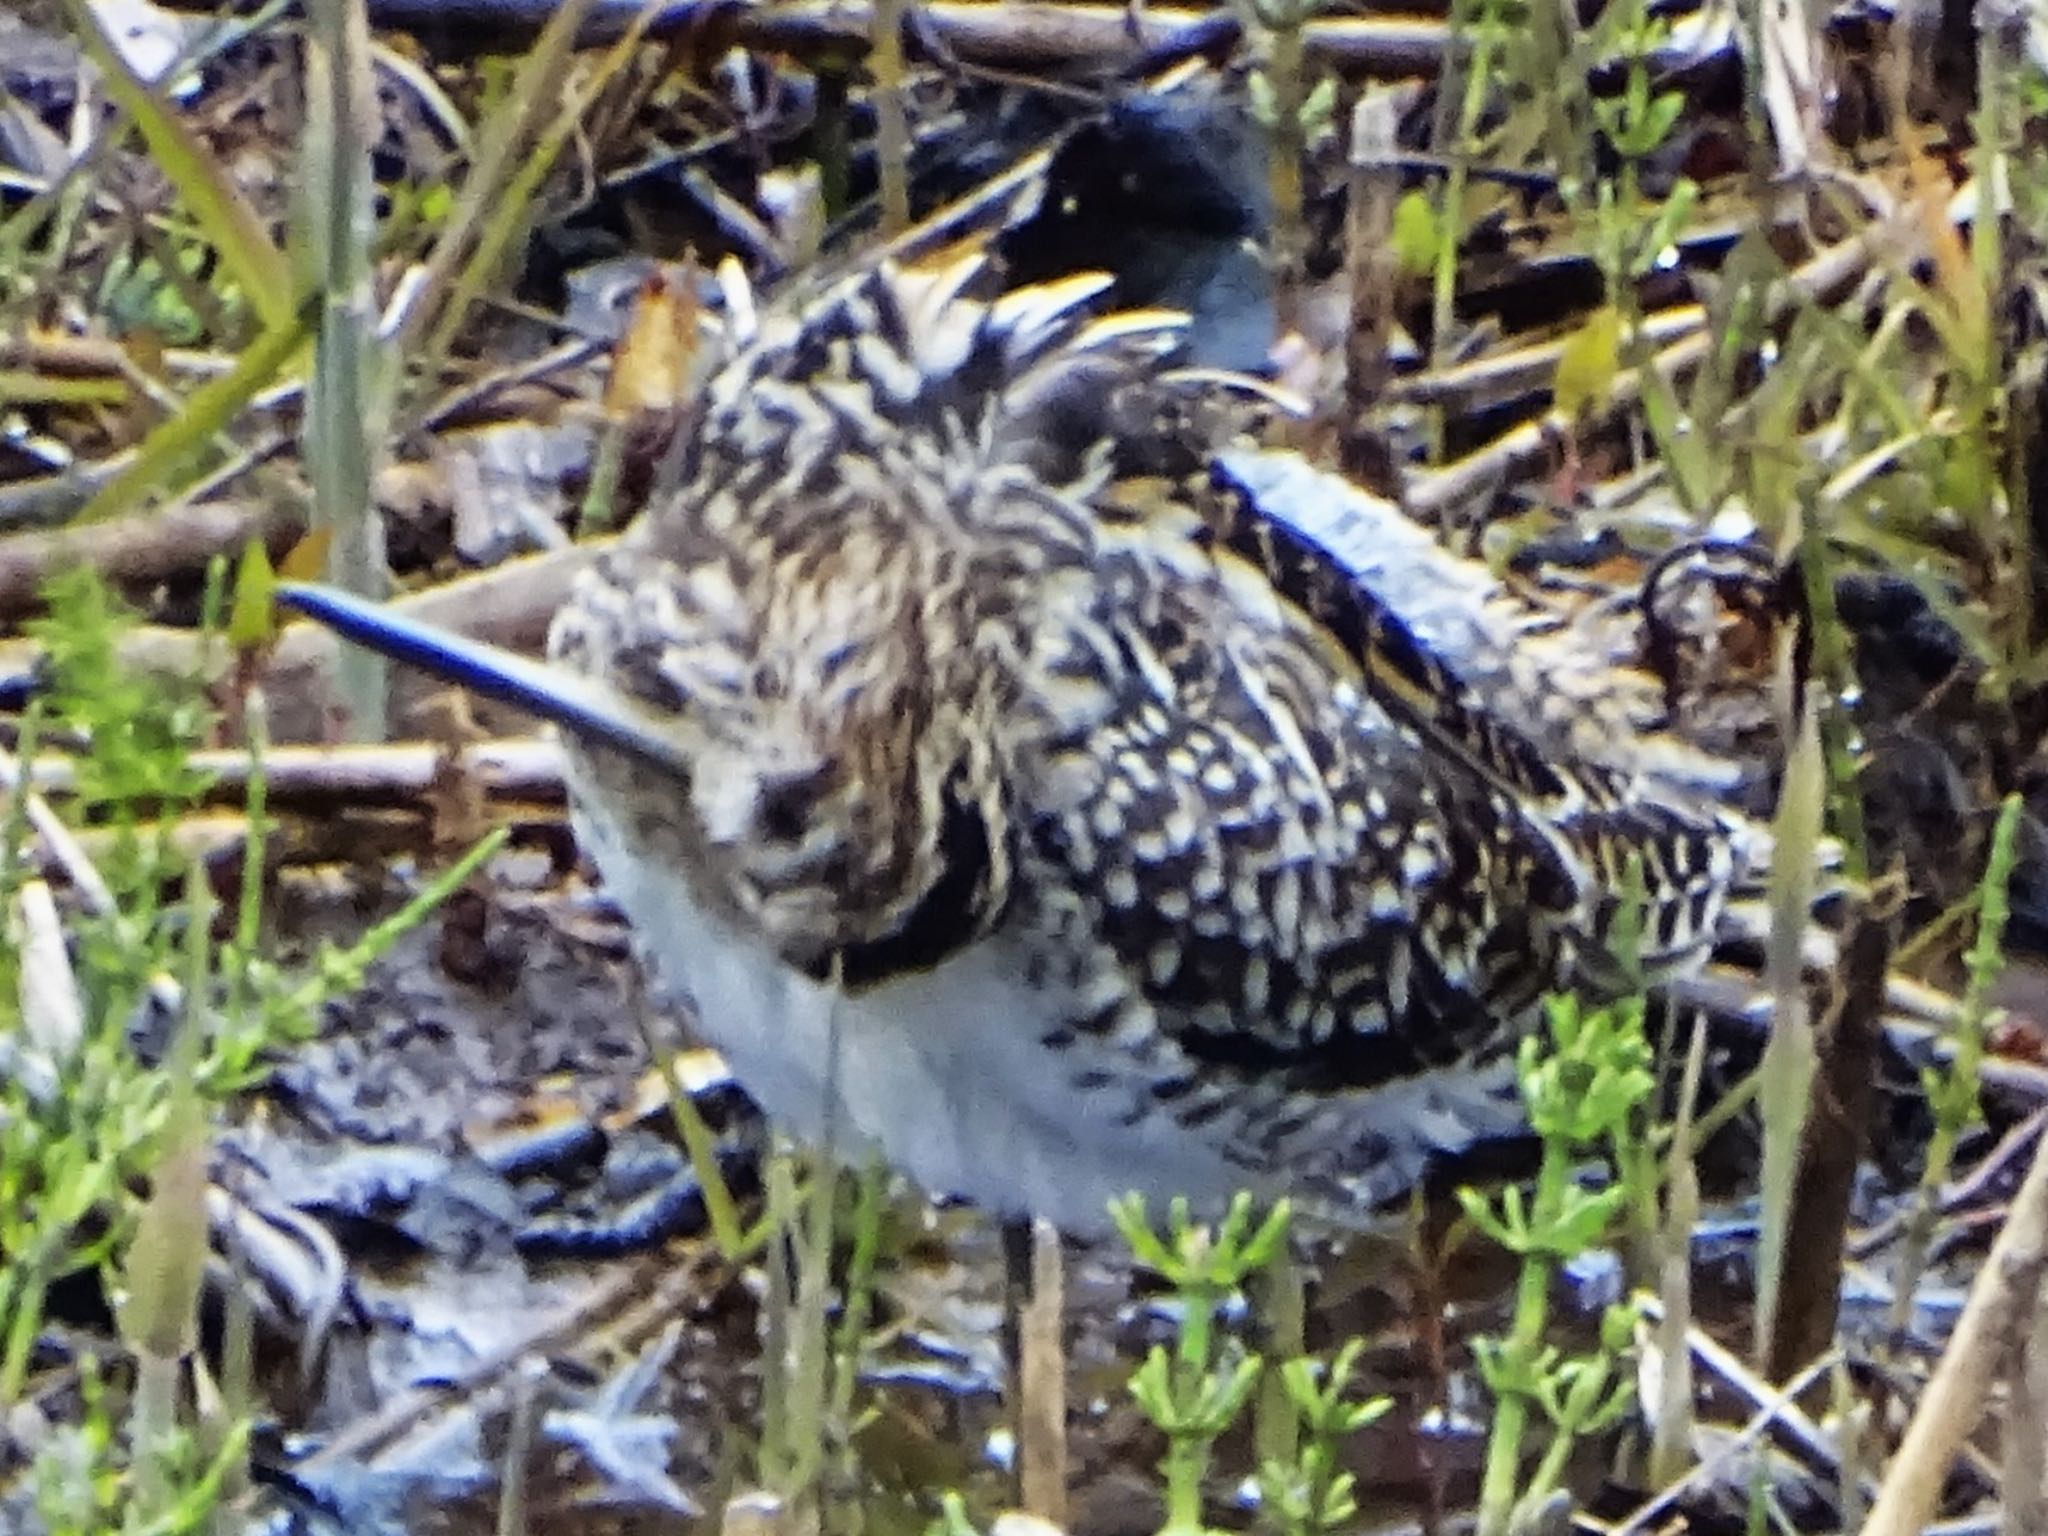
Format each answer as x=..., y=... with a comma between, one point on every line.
x=1986, y=1336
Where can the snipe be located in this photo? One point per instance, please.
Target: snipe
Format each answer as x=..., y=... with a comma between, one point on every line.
x=1016, y=794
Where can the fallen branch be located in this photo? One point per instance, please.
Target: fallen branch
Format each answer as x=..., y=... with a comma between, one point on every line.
x=143, y=547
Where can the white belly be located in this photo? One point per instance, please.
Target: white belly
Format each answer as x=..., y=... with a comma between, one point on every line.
x=942, y=1073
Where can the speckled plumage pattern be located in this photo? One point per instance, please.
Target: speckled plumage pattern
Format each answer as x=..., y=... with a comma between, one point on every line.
x=1061, y=820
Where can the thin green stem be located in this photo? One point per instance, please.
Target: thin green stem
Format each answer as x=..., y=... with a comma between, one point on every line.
x=1470, y=22
x=29, y=1276
x=1504, y=1443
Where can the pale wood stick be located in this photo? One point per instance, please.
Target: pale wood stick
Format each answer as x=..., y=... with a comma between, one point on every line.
x=1986, y=1334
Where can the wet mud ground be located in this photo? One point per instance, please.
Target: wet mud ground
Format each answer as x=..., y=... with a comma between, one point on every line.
x=522, y=1242
x=520, y=1259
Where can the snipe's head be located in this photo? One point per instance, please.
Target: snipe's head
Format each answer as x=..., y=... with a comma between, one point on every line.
x=836, y=735
x=839, y=602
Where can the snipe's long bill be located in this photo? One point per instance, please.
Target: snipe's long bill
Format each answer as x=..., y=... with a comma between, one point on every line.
x=1012, y=793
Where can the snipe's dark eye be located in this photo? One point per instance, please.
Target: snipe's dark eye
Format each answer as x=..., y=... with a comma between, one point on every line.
x=783, y=818
x=781, y=814
x=787, y=802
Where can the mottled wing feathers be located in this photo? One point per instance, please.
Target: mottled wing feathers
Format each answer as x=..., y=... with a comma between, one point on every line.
x=1280, y=875
x=1307, y=563
x=1684, y=846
